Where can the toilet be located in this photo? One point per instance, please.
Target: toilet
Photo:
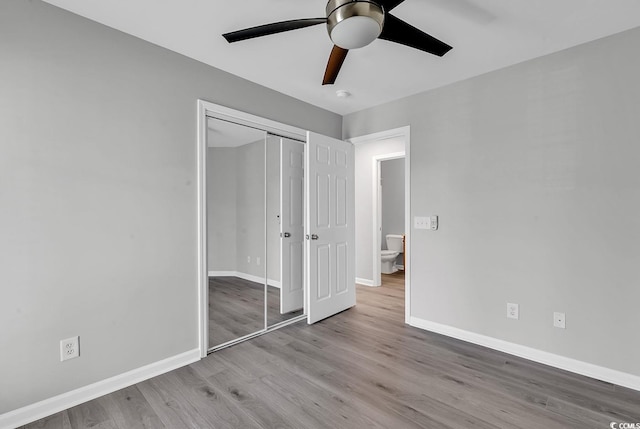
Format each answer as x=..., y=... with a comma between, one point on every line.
x=388, y=257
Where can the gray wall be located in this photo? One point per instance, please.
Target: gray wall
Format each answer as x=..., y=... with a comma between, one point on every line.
x=392, y=198
x=236, y=208
x=98, y=196
x=365, y=240
x=250, y=208
x=221, y=209
x=533, y=171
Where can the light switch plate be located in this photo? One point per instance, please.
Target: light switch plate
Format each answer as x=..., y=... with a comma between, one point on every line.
x=422, y=222
x=433, y=223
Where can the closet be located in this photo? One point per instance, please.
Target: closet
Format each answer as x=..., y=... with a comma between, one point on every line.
x=275, y=223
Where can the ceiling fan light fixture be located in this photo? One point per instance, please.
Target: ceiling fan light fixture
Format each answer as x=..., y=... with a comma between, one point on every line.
x=354, y=24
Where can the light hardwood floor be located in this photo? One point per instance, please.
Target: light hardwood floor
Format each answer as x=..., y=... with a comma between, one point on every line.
x=236, y=308
x=363, y=368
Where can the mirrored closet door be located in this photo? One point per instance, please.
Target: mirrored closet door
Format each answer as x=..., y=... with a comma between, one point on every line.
x=236, y=231
x=255, y=231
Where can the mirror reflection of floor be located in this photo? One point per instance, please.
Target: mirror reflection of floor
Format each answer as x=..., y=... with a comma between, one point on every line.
x=273, y=308
x=236, y=308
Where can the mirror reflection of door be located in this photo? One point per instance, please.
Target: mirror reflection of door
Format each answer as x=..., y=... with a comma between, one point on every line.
x=285, y=228
x=236, y=230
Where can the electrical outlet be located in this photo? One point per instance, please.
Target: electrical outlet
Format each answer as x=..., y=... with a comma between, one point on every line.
x=258, y=260
x=513, y=311
x=559, y=320
x=248, y=259
x=69, y=348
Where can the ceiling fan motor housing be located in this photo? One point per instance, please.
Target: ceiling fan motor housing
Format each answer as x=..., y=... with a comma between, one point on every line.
x=353, y=24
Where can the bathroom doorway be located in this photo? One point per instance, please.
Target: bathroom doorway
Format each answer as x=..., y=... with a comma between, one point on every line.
x=389, y=218
x=374, y=155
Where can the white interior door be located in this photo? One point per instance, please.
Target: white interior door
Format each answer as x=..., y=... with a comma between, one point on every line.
x=291, y=225
x=330, y=219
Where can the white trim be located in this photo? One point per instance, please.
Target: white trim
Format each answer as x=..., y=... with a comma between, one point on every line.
x=245, y=276
x=47, y=407
x=561, y=362
x=274, y=283
x=405, y=133
x=407, y=223
x=223, y=274
x=365, y=282
x=243, y=118
x=266, y=244
x=203, y=280
x=382, y=135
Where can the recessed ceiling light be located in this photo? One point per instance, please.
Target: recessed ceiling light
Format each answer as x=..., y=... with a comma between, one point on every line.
x=343, y=93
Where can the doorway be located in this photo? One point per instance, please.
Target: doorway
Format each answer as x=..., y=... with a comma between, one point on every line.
x=388, y=216
x=371, y=152
x=390, y=221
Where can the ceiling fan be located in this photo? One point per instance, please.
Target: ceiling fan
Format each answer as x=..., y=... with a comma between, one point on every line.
x=353, y=24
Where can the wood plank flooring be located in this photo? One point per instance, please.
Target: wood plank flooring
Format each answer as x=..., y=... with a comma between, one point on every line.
x=236, y=308
x=363, y=368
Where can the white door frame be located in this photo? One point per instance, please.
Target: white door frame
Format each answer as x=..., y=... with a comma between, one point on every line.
x=404, y=133
x=207, y=109
x=377, y=213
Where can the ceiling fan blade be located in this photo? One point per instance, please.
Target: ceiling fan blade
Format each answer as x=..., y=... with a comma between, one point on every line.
x=333, y=66
x=398, y=31
x=387, y=5
x=276, y=27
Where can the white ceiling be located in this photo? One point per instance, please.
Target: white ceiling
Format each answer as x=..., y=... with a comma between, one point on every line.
x=485, y=34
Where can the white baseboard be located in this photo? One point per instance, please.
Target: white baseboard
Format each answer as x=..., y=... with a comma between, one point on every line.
x=222, y=274
x=58, y=403
x=365, y=282
x=245, y=276
x=568, y=364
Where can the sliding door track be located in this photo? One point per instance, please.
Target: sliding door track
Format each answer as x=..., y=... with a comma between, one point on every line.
x=257, y=334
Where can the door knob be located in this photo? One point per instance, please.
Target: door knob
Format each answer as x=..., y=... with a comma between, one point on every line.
x=314, y=236
x=286, y=234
